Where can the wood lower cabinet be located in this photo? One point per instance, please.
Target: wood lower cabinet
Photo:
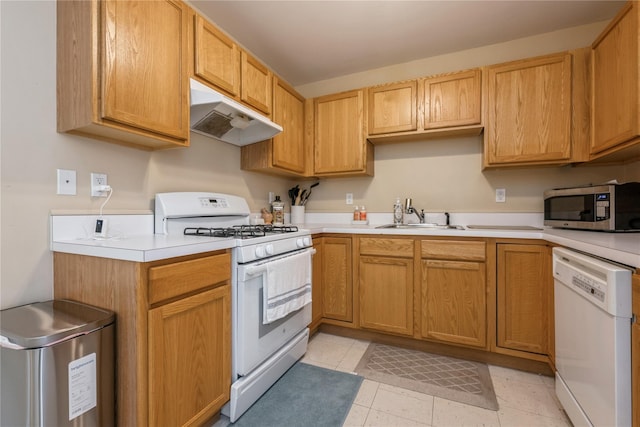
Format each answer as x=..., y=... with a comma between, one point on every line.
x=337, y=279
x=340, y=144
x=616, y=91
x=385, y=284
x=635, y=352
x=122, y=71
x=524, y=298
x=316, y=283
x=529, y=110
x=189, y=361
x=453, y=289
x=173, y=329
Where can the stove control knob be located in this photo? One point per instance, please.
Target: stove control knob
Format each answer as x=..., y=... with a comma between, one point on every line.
x=307, y=241
x=270, y=249
x=260, y=253
x=300, y=243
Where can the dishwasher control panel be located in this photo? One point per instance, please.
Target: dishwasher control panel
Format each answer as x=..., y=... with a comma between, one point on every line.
x=603, y=283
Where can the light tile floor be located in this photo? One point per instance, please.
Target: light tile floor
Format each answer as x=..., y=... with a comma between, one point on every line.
x=525, y=399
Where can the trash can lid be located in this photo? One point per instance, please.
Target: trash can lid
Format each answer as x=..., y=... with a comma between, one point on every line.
x=43, y=324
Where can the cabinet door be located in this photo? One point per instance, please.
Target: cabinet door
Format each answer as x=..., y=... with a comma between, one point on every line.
x=529, y=112
x=337, y=284
x=257, y=81
x=288, y=111
x=392, y=108
x=190, y=358
x=340, y=145
x=316, y=283
x=615, y=82
x=386, y=294
x=217, y=57
x=452, y=100
x=453, y=306
x=525, y=298
x=145, y=79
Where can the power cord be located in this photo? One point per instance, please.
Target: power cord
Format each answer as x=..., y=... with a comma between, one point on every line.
x=100, y=231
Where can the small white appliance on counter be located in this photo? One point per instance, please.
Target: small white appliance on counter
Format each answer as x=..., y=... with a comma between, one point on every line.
x=270, y=287
x=593, y=339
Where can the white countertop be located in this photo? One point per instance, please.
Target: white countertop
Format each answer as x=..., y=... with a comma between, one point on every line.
x=142, y=248
x=619, y=247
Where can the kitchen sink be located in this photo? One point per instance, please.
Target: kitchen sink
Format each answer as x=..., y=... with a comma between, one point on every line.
x=429, y=226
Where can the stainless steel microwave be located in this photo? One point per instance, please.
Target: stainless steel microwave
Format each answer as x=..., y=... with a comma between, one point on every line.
x=610, y=207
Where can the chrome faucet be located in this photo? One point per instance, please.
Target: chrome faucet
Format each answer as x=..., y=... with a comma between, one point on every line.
x=409, y=209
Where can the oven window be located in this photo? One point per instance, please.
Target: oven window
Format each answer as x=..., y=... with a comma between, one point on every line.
x=570, y=208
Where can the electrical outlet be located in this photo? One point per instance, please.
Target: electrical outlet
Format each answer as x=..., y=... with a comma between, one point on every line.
x=66, y=182
x=98, y=180
x=501, y=195
x=349, y=199
x=272, y=197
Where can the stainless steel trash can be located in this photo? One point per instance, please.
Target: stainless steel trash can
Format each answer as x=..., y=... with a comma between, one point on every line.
x=57, y=365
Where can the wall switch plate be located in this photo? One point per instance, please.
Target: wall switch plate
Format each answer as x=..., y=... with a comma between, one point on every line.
x=98, y=180
x=349, y=198
x=66, y=182
x=501, y=195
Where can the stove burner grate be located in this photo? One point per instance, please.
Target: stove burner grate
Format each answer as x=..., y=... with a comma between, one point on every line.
x=241, y=231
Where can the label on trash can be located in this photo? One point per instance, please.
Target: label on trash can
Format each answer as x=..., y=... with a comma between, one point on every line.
x=82, y=385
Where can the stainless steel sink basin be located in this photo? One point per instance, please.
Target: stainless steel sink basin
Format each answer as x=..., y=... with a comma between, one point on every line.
x=423, y=226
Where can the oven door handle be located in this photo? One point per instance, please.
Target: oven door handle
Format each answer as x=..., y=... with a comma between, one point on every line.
x=261, y=267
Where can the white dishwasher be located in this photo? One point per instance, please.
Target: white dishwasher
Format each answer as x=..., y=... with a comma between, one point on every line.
x=593, y=339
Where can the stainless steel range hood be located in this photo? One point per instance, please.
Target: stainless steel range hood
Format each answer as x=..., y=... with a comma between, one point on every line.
x=220, y=117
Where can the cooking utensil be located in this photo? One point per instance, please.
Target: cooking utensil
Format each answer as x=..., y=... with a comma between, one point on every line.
x=304, y=201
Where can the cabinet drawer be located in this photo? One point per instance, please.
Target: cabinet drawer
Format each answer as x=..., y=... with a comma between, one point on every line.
x=172, y=280
x=389, y=247
x=448, y=249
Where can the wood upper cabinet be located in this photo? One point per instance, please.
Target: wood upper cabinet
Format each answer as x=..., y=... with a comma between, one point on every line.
x=122, y=71
x=257, y=81
x=392, y=107
x=173, y=334
x=285, y=153
x=446, y=104
x=340, y=143
x=524, y=298
x=217, y=57
x=616, y=91
x=635, y=351
x=219, y=61
x=337, y=279
x=453, y=288
x=529, y=112
x=453, y=99
x=385, y=284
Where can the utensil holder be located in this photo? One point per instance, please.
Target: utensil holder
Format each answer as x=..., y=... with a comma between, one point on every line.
x=297, y=214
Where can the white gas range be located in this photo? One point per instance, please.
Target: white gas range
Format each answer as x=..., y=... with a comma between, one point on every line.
x=270, y=289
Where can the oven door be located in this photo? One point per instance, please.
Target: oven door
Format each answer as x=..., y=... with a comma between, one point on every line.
x=255, y=341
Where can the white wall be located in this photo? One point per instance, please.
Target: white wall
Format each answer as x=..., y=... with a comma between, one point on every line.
x=441, y=174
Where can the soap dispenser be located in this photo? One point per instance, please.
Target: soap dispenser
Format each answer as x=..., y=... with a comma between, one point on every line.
x=278, y=211
x=397, y=212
